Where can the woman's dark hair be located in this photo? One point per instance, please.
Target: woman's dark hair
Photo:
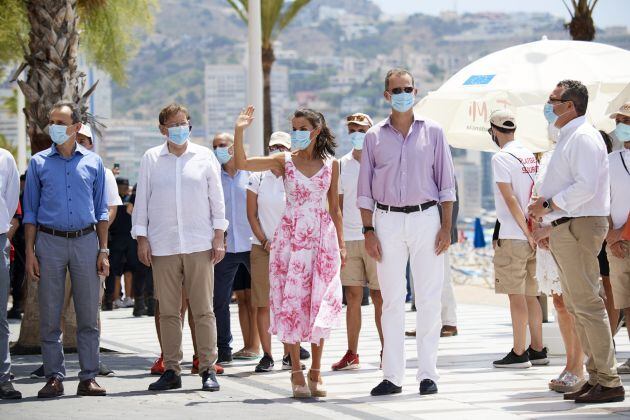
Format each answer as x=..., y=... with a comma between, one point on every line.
x=325, y=142
x=607, y=140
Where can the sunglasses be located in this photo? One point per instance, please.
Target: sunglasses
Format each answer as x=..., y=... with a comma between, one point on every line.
x=397, y=91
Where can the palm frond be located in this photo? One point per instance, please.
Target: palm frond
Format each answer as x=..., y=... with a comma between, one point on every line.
x=271, y=15
x=291, y=12
x=240, y=8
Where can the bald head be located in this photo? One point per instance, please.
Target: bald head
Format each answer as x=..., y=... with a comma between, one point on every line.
x=222, y=140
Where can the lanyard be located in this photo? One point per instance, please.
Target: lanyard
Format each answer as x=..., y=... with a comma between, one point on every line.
x=624, y=162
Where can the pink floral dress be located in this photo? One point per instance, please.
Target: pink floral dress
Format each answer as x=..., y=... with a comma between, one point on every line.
x=305, y=288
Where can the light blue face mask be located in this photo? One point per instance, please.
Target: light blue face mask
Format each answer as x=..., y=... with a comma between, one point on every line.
x=357, y=139
x=550, y=116
x=402, y=102
x=300, y=139
x=622, y=132
x=179, y=135
x=58, y=133
x=223, y=154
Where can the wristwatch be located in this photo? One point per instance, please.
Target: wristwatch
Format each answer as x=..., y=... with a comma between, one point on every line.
x=367, y=229
x=548, y=205
x=104, y=251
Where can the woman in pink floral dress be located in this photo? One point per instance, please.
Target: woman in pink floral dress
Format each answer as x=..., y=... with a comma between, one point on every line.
x=308, y=248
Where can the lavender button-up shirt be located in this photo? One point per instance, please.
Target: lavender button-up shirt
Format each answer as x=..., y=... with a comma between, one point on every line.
x=398, y=171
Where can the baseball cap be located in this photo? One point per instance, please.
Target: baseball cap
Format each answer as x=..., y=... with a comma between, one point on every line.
x=503, y=118
x=359, y=118
x=86, y=130
x=623, y=110
x=280, y=138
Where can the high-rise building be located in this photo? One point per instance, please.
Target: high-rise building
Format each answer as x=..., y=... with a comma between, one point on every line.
x=226, y=95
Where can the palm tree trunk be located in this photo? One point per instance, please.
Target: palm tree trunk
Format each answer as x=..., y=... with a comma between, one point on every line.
x=582, y=27
x=52, y=76
x=268, y=59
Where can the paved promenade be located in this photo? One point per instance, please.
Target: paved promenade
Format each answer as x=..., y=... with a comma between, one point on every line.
x=469, y=387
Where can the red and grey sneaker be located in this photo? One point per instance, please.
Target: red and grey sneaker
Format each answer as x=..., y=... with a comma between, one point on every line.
x=195, y=366
x=218, y=369
x=158, y=367
x=349, y=361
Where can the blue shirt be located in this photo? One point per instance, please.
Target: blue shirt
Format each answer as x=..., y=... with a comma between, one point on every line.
x=65, y=193
x=239, y=232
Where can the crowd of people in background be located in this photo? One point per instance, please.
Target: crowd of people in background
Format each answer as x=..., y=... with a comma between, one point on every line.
x=292, y=236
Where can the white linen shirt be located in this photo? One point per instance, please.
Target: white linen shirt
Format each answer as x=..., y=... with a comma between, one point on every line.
x=271, y=200
x=577, y=176
x=9, y=190
x=619, y=187
x=348, y=183
x=179, y=200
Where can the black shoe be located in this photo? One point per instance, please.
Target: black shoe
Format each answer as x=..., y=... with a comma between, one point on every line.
x=7, y=392
x=286, y=363
x=14, y=313
x=103, y=370
x=168, y=380
x=304, y=354
x=138, y=308
x=265, y=364
x=224, y=359
x=150, y=307
x=108, y=306
x=427, y=387
x=38, y=373
x=514, y=361
x=209, y=381
x=537, y=358
x=385, y=388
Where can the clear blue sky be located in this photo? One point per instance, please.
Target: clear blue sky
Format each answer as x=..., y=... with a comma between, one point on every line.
x=607, y=12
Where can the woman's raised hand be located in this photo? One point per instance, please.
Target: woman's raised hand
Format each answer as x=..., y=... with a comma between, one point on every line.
x=245, y=118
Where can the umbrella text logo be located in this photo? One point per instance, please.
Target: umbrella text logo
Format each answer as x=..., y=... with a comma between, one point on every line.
x=477, y=109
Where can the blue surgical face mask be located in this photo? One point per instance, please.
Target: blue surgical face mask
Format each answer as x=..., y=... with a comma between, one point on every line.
x=223, y=154
x=179, y=135
x=549, y=114
x=402, y=102
x=58, y=133
x=300, y=139
x=622, y=132
x=357, y=139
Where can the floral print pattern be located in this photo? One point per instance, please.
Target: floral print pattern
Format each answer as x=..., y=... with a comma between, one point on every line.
x=305, y=287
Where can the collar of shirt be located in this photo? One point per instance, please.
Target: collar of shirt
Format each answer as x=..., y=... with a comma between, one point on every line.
x=77, y=149
x=388, y=121
x=570, y=127
x=190, y=148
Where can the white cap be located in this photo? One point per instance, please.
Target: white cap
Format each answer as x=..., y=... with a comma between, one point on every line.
x=280, y=138
x=86, y=130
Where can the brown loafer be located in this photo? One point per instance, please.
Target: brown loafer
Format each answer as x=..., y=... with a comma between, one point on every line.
x=89, y=388
x=52, y=389
x=602, y=394
x=583, y=390
x=448, y=331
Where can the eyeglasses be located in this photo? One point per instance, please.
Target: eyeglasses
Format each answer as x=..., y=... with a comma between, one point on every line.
x=179, y=124
x=397, y=91
x=559, y=101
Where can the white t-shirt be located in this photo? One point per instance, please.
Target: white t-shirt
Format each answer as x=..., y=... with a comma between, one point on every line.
x=271, y=201
x=111, y=189
x=348, y=181
x=619, y=187
x=518, y=172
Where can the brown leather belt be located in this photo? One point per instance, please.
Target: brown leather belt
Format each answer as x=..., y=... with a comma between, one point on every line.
x=406, y=209
x=66, y=234
x=561, y=221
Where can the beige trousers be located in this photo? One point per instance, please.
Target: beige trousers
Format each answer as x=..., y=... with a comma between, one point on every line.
x=195, y=273
x=575, y=246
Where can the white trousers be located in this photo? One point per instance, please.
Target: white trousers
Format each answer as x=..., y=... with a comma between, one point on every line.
x=402, y=237
x=449, y=306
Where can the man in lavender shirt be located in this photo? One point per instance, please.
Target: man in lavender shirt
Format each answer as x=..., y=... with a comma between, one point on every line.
x=406, y=169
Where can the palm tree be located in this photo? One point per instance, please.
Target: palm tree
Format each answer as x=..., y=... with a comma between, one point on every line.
x=581, y=26
x=275, y=16
x=45, y=34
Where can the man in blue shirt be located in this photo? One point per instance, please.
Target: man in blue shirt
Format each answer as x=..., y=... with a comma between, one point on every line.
x=238, y=248
x=66, y=221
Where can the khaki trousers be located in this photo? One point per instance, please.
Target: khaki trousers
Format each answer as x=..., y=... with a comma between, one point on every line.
x=575, y=246
x=195, y=273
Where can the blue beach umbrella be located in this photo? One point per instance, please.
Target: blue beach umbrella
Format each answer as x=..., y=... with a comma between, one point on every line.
x=480, y=241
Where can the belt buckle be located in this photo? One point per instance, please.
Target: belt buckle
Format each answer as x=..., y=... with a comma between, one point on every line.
x=407, y=209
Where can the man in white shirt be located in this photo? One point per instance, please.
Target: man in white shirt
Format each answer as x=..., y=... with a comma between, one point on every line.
x=575, y=199
x=619, y=250
x=360, y=268
x=179, y=222
x=265, y=206
x=9, y=195
x=514, y=168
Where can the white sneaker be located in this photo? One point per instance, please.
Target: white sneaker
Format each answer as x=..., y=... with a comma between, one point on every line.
x=624, y=368
x=128, y=302
x=118, y=304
